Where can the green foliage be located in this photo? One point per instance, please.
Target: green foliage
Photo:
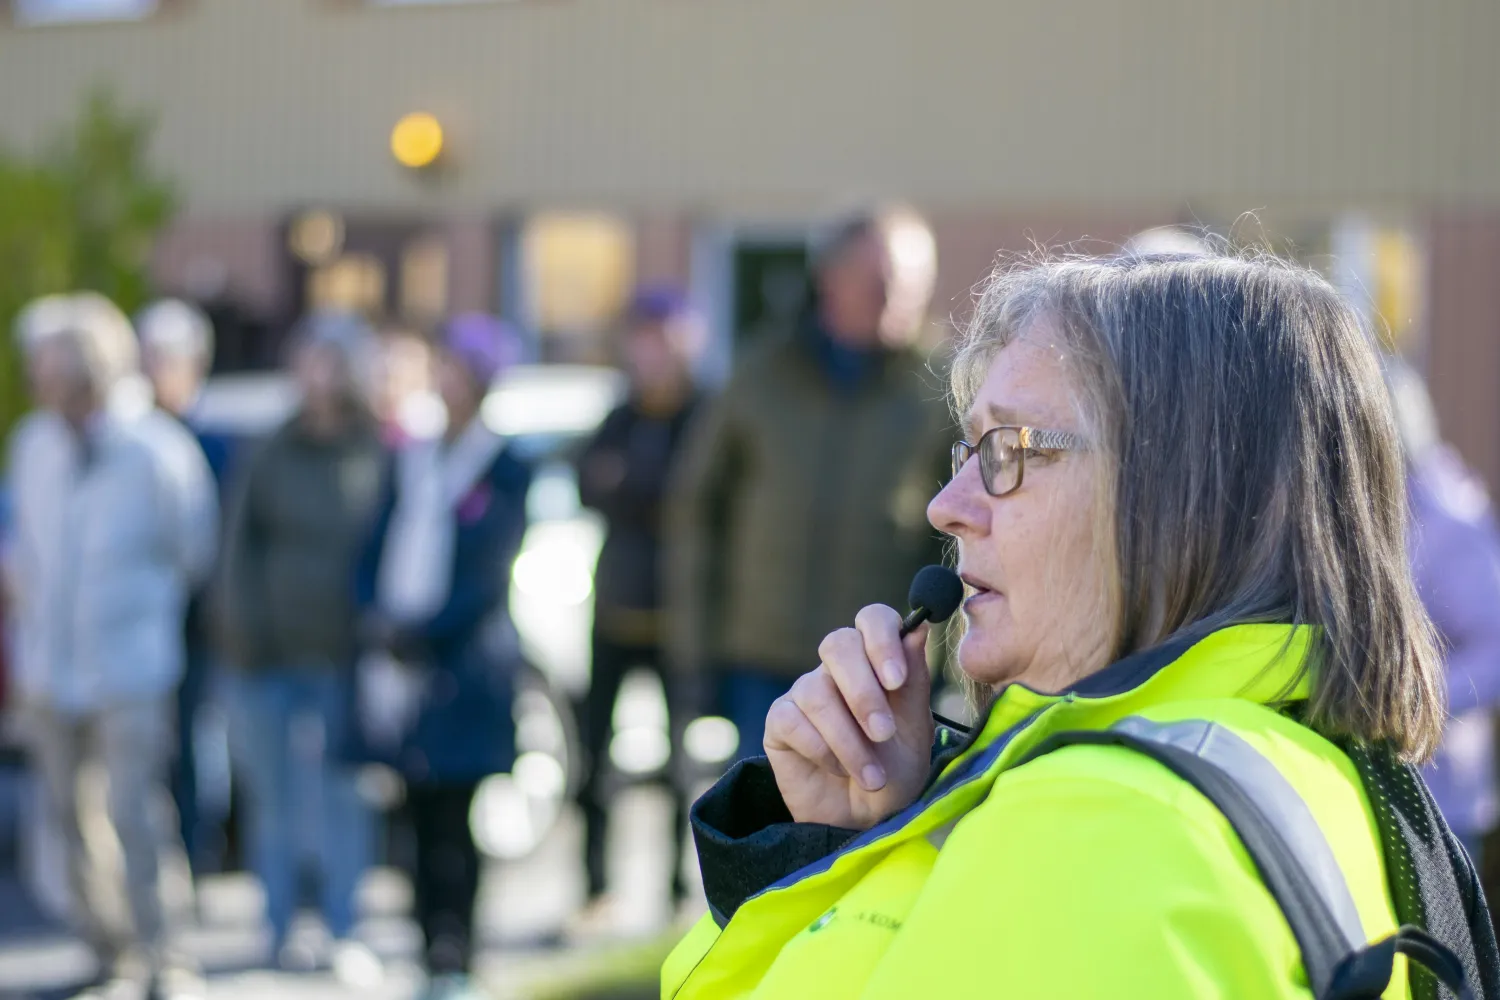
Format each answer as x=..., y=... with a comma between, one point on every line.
x=84, y=215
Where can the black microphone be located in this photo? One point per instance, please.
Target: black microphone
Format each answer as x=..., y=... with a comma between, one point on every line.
x=936, y=592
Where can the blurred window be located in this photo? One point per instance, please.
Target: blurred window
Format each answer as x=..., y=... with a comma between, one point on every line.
x=424, y=280
x=30, y=13
x=579, y=269
x=354, y=282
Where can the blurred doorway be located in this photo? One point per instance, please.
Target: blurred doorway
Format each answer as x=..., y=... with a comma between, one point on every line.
x=389, y=270
x=769, y=286
x=750, y=279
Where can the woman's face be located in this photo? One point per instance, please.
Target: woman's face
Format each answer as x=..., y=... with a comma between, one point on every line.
x=322, y=374
x=461, y=393
x=649, y=356
x=1035, y=570
x=405, y=372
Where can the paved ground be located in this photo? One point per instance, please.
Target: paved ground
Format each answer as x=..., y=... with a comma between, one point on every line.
x=524, y=909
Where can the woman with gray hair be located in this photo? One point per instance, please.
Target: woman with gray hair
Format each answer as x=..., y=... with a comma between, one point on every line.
x=115, y=524
x=1202, y=670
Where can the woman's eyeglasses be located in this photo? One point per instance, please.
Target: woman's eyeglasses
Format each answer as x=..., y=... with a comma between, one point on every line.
x=1002, y=454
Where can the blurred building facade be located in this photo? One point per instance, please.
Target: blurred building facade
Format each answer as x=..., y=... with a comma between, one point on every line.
x=589, y=144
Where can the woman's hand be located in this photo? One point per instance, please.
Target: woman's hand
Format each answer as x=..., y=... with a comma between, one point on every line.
x=851, y=742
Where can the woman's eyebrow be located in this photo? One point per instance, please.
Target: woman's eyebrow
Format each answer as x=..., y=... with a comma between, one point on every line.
x=1004, y=415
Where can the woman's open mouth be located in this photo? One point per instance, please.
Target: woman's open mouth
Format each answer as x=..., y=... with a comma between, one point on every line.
x=978, y=591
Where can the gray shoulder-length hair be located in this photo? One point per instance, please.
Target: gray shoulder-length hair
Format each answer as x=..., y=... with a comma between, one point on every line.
x=1255, y=473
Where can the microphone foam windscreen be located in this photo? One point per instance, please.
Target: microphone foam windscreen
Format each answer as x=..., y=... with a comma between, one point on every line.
x=938, y=589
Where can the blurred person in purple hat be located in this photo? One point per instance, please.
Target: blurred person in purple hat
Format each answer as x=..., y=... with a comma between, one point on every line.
x=115, y=524
x=439, y=651
x=303, y=504
x=622, y=474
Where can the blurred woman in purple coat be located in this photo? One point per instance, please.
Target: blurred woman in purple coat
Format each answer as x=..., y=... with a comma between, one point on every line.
x=1455, y=552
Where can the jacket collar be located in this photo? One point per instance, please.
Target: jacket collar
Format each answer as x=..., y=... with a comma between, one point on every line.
x=1262, y=663
x=1259, y=663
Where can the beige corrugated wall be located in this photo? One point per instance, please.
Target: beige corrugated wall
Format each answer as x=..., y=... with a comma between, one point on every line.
x=777, y=105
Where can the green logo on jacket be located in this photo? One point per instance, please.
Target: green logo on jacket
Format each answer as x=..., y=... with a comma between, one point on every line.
x=823, y=921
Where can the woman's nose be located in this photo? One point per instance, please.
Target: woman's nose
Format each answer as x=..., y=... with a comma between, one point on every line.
x=960, y=508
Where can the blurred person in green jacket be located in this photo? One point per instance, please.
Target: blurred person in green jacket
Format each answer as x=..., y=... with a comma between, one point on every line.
x=800, y=497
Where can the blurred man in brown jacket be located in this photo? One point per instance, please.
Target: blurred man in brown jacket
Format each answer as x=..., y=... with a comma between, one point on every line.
x=803, y=490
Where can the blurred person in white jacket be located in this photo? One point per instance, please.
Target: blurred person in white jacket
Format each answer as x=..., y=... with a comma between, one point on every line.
x=115, y=523
x=38, y=436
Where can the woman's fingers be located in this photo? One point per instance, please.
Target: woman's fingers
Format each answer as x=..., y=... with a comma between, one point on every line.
x=846, y=658
x=787, y=728
x=880, y=626
x=823, y=704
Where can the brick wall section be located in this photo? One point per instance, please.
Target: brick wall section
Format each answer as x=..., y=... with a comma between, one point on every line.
x=968, y=243
x=1463, y=362
x=663, y=249
x=472, y=263
x=248, y=249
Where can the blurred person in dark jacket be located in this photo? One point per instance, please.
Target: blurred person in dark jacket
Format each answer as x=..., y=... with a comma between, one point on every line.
x=622, y=474
x=177, y=347
x=802, y=493
x=115, y=524
x=303, y=507
x=437, y=676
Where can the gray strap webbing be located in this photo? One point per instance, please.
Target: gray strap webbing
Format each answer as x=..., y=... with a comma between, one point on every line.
x=1274, y=796
x=1276, y=827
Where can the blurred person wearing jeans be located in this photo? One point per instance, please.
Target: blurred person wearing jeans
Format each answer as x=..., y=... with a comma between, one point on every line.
x=177, y=346
x=437, y=677
x=304, y=503
x=802, y=492
x=114, y=527
x=622, y=474
x=1455, y=553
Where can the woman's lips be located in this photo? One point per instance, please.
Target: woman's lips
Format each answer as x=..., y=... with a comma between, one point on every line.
x=979, y=592
x=979, y=598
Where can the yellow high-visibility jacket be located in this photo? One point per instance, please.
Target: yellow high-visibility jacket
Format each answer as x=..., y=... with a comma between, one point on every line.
x=1090, y=872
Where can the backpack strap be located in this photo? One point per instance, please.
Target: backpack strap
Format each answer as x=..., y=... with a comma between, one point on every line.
x=1288, y=848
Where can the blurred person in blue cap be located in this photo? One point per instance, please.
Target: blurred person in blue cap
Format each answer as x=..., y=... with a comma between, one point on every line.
x=802, y=492
x=303, y=504
x=177, y=348
x=115, y=524
x=440, y=652
x=622, y=474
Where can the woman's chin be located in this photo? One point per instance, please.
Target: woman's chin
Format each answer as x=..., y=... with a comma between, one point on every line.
x=981, y=659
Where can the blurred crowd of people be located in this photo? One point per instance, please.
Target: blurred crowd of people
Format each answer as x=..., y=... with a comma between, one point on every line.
x=350, y=605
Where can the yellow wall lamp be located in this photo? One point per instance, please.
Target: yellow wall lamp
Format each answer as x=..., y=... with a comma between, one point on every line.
x=418, y=142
